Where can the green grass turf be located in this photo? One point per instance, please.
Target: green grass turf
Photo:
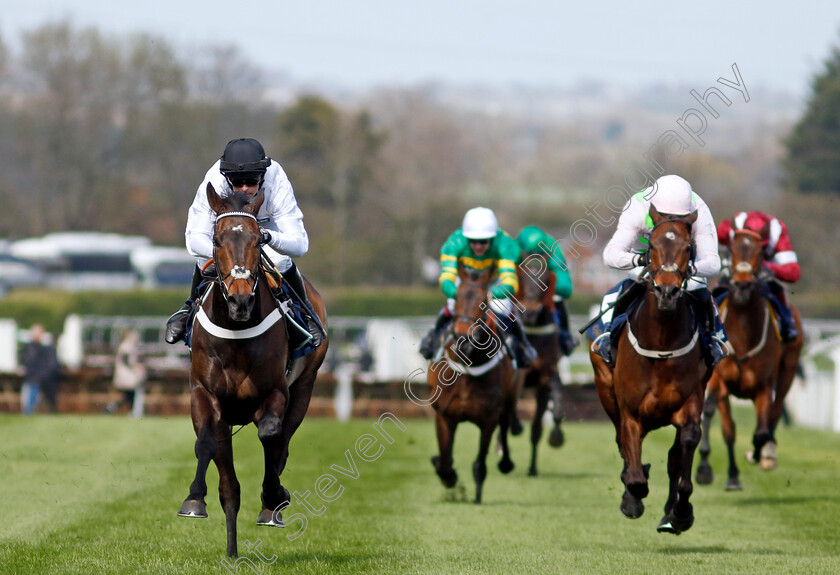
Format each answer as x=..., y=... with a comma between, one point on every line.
x=99, y=495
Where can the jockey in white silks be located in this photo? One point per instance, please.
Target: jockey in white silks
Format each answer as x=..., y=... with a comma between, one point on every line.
x=627, y=250
x=244, y=168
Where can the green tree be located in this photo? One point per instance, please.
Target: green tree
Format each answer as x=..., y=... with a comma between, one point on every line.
x=813, y=148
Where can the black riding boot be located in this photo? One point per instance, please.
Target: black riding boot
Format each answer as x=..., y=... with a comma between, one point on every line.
x=787, y=325
x=294, y=279
x=176, y=325
x=711, y=328
x=524, y=352
x=429, y=342
x=566, y=340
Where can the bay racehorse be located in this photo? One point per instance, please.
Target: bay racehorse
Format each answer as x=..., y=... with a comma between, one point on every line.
x=240, y=370
x=659, y=376
x=472, y=379
x=762, y=368
x=536, y=294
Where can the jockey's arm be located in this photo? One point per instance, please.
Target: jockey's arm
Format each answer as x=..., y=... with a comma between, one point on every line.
x=449, y=265
x=508, y=280
x=201, y=220
x=618, y=254
x=563, y=286
x=285, y=225
x=784, y=264
x=707, y=259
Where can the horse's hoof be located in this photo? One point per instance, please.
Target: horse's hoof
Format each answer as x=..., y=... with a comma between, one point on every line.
x=734, y=484
x=556, y=439
x=269, y=518
x=193, y=508
x=506, y=465
x=768, y=456
x=631, y=507
x=532, y=472
x=667, y=526
x=704, y=475
x=750, y=456
x=646, y=470
x=455, y=494
x=434, y=460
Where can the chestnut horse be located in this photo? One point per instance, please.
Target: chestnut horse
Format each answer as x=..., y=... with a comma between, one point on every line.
x=536, y=295
x=659, y=375
x=762, y=368
x=473, y=380
x=239, y=367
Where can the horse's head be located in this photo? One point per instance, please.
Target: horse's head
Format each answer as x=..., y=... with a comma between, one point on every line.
x=671, y=249
x=536, y=287
x=236, y=249
x=471, y=304
x=747, y=261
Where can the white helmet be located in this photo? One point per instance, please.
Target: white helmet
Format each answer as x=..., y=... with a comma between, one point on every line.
x=480, y=224
x=672, y=195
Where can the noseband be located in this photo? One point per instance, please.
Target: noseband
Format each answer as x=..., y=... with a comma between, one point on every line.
x=237, y=272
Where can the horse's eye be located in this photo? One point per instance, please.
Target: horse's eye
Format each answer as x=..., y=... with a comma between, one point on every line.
x=216, y=242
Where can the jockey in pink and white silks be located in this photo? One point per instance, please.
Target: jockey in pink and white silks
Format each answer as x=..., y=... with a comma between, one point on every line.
x=627, y=250
x=244, y=168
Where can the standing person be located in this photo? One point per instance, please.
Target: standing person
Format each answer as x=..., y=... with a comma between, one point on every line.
x=129, y=374
x=41, y=370
x=477, y=245
x=780, y=262
x=671, y=196
x=244, y=168
x=533, y=240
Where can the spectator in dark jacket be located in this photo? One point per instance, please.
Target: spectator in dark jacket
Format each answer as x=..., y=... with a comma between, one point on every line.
x=41, y=372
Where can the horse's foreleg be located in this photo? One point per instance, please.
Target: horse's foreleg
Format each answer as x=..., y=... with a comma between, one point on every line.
x=556, y=438
x=204, y=419
x=505, y=464
x=228, y=484
x=763, y=435
x=480, y=465
x=445, y=429
x=679, y=514
x=787, y=372
x=727, y=425
x=705, y=475
x=269, y=420
x=633, y=476
x=536, y=425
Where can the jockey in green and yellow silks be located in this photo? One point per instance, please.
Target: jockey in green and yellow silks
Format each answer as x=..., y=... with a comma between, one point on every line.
x=533, y=240
x=478, y=244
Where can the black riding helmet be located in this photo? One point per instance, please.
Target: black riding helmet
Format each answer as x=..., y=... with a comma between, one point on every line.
x=244, y=159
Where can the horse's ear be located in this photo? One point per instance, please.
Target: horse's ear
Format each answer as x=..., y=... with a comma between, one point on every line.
x=655, y=215
x=692, y=217
x=488, y=274
x=764, y=232
x=253, y=206
x=216, y=203
x=462, y=271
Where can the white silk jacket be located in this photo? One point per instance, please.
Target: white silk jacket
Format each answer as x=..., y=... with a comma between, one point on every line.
x=635, y=222
x=280, y=210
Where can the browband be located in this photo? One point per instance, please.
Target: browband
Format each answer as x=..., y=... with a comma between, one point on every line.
x=226, y=214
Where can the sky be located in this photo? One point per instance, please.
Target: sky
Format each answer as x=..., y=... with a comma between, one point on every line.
x=367, y=43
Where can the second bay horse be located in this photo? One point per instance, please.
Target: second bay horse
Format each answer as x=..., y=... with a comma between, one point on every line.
x=536, y=291
x=473, y=380
x=762, y=368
